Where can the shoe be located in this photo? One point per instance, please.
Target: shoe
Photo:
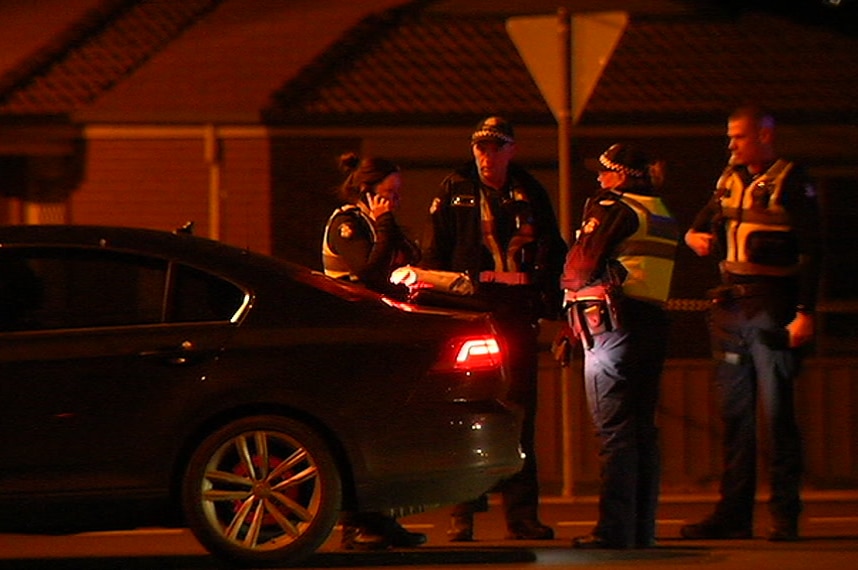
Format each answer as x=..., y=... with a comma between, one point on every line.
x=461, y=528
x=529, y=530
x=709, y=529
x=399, y=537
x=594, y=542
x=783, y=532
x=359, y=538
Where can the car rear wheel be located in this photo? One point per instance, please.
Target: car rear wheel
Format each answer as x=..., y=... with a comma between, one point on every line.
x=262, y=490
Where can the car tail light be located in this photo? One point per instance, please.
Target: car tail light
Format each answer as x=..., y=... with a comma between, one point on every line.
x=472, y=353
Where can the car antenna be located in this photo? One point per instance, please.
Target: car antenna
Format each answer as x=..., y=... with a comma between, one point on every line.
x=187, y=228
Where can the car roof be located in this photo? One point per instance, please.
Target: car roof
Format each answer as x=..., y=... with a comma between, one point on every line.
x=181, y=246
x=178, y=245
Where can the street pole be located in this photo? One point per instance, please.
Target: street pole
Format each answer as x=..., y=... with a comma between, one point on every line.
x=564, y=159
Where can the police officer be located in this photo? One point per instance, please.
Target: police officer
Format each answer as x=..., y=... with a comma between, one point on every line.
x=762, y=222
x=363, y=244
x=616, y=280
x=494, y=221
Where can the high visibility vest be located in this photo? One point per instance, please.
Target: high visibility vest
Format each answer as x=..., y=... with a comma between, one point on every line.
x=333, y=263
x=756, y=211
x=648, y=254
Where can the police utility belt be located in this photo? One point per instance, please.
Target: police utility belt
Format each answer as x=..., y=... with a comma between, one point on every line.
x=505, y=277
x=727, y=293
x=591, y=311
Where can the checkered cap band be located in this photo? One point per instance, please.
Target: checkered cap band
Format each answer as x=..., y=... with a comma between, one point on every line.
x=617, y=167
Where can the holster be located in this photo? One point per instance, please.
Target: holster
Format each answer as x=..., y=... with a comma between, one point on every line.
x=727, y=293
x=592, y=311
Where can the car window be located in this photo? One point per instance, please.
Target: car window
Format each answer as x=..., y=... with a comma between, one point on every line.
x=199, y=296
x=57, y=288
x=60, y=288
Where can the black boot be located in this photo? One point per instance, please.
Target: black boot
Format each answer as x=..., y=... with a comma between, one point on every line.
x=712, y=528
x=461, y=528
x=400, y=537
x=362, y=538
x=529, y=530
x=783, y=530
x=363, y=531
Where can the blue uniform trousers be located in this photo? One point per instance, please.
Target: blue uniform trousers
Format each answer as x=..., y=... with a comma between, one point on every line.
x=756, y=369
x=621, y=374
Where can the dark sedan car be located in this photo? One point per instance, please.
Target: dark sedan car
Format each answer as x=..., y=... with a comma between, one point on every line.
x=156, y=378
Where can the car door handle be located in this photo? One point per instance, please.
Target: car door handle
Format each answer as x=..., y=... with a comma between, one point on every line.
x=182, y=354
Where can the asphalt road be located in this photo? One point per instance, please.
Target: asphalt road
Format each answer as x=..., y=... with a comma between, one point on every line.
x=829, y=530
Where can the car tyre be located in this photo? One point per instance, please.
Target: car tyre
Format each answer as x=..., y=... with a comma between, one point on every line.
x=262, y=490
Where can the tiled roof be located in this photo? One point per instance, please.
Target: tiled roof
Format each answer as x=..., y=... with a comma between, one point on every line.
x=417, y=69
x=435, y=68
x=410, y=65
x=695, y=70
x=105, y=47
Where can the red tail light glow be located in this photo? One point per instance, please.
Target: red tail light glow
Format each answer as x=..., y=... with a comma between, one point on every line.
x=478, y=352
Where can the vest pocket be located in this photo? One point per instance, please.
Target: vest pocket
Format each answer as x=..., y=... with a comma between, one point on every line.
x=772, y=248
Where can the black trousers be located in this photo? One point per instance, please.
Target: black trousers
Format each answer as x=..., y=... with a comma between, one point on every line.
x=515, y=309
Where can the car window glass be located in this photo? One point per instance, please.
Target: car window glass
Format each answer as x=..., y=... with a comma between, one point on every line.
x=56, y=288
x=198, y=296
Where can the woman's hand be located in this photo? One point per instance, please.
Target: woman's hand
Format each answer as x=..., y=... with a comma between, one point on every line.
x=378, y=205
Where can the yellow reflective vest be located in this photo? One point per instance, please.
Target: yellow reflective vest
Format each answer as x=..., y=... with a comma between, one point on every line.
x=333, y=263
x=756, y=223
x=648, y=254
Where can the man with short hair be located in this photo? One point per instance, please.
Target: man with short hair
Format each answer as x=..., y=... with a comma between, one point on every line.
x=495, y=222
x=762, y=222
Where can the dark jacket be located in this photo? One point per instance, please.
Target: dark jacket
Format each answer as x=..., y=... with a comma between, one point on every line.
x=454, y=240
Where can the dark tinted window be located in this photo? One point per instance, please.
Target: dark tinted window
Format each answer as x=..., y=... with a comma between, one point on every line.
x=71, y=288
x=198, y=296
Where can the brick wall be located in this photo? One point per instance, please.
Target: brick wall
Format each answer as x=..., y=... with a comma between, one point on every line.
x=152, y=183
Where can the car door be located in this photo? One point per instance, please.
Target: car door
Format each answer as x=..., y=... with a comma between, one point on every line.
x=96, y=352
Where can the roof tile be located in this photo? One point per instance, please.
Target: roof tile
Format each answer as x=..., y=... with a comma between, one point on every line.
x=107, y=47
x=409, y=65
x=694, y=70
x=425, y=67
x=431, y=67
